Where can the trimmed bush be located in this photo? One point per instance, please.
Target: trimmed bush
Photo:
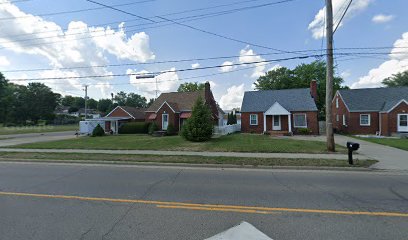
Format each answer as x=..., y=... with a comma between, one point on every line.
x=153, y=127
x=199, y=127
x=134, y=128
x=98, y=131
x=304, y=131
x=171, y=130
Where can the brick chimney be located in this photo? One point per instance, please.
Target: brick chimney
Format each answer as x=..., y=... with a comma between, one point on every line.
x=207, y=90
x=313, y=90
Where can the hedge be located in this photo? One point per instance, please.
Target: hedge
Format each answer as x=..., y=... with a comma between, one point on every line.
x=134, y=128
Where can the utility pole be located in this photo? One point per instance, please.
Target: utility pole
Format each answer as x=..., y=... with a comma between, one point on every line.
x=329, y=76
x=86, y=98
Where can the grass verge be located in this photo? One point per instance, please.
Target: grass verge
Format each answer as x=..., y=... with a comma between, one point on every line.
x=125, y=158
x=37, y=129
x=229, y=143
x=400, y=143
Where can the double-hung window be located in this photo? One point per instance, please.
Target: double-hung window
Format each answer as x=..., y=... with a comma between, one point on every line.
x=253, y=119
x=299, y=120
x=365, y=119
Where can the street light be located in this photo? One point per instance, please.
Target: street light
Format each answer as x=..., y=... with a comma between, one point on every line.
x=144, y=76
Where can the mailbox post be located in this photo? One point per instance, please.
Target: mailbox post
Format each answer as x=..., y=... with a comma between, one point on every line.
x=351, y=146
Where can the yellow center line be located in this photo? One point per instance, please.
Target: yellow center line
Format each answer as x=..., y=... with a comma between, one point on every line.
x=209, y=207
x=215, y=209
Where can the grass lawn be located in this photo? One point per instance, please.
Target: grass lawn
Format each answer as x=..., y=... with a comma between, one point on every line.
x=124, y=158
x=229, y=143
x=37, y=129
x=400, y=143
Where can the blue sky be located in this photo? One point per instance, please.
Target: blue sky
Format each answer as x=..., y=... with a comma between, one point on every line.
x=32, y=38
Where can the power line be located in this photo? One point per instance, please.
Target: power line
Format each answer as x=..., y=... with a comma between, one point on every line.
x=344, y=13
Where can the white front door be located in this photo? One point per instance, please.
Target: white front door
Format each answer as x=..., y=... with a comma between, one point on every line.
x=276, y=123
x=402, y=123
x=165, y=121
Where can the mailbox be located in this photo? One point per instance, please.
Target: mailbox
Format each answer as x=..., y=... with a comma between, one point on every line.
x=351, y=146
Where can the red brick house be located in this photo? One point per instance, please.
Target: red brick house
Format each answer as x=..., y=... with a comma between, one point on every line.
x=280, y=111
x=175, y=107
x=123, y=114
x=380, y=111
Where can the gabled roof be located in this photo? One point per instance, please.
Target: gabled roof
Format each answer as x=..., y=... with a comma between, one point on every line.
x=178, y=101
x=373, y=99
x=135, y=113
x=291, y=99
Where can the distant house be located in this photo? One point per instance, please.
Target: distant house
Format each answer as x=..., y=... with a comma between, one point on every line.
x=175, y=107
x=381, y=111
x=64, y=110
x=280, y=111
x=225, y=116
x=121, y=115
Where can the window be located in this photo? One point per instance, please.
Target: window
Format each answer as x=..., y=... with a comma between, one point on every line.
x=337, y=102
x=344, y=120
x=299, y=120
x=365, y=119
x=253, y=119
x=337, y=118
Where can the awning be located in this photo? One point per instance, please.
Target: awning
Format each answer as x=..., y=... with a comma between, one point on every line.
x=152, y=116
x=185, y=115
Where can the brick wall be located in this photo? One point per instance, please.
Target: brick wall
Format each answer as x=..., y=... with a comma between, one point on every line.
x=393, y=118
x=245, y=123
x=118, y=112
x=312, y=122
x=173, y=117
x=340, y=111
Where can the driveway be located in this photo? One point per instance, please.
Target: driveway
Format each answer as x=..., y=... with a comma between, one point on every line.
x=15, y=139
x=389, y=158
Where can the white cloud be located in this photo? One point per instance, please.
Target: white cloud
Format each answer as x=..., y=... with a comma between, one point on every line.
x=398, y=62
x=274, y=67
x=227, y=66
x=248, y=55
x=317, y=25
x=233, y=97
x=166, y=82
x=195, y=65
x=78, y=46
x=381, y=18
x=4, y=61
x=345, y=74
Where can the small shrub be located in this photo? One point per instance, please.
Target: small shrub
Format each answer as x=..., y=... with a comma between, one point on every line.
x=171, y=130
x=304, y=131
x=98, y=131
x=134, y=128
x=153, y=127
x=199, y=127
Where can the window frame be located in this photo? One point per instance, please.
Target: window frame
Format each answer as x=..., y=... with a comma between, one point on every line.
x=256, y=119
x=344, y=120
x=369, y=119
x=294, y=120
x=337, y=102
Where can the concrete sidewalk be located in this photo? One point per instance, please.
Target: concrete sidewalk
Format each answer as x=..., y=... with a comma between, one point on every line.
x=389, y=158
x=190, y=153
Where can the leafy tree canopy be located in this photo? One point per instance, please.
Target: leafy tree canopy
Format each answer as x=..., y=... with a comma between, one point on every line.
x=191, y=87
x=397, y=80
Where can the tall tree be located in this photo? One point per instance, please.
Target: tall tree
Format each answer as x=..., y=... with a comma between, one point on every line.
x=120, y=98
x=199, y=127
x=92, y=103
x=68, y=101
x=299, y=77
x=190, y=87
x=135, y=100
x=40, y=101
x=397, y=80
x=104, y=105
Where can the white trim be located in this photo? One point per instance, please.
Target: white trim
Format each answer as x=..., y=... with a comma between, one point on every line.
x=289, y=123
x=264, y=121
x=294, y=122
x=338, y=94
x=337, y=101
x=279, y=127
x=396, y=105
x=277, y=109
x=369, y=119
x=165, y=114
x=398, y=122
x=250, y=122
x=344, y=120
x=130, y=115
x=337, y=117
x=165, y=102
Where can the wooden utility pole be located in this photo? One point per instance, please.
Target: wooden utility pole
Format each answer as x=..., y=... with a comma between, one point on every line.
x=329, y=76
x=86, y=98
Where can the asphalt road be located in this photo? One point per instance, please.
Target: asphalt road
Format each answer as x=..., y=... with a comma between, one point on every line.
x=15, y=139
x=129, y=202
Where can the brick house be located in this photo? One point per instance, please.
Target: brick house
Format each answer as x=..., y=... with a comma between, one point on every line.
x=380, y=111
x=122, y=114
x=175, y=107
x=280, y=111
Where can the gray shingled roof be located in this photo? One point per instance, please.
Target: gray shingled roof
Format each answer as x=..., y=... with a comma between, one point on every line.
x=373, y=99
x=291, y=99
x=179, y=101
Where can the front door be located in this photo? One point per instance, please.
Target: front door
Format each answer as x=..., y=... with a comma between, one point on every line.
x=276, y=123
x=165, y=121
x=402, y=123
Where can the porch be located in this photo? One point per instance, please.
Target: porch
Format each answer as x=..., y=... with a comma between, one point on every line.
x=277, y=120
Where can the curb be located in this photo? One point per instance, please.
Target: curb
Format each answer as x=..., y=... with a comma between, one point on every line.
x=198, y=165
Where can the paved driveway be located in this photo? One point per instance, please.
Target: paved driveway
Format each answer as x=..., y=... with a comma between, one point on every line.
x=10, y=140
x=389, y=158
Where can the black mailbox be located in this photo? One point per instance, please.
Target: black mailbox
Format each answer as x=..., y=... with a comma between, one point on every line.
x=352, y=146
